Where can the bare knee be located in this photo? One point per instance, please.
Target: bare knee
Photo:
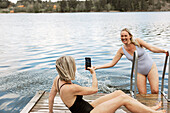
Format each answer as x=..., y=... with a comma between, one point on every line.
x=155, y=91
x=125, y=99
x=120, y=92
x=124, y=96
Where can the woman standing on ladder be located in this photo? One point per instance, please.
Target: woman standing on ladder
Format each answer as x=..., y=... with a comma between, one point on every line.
x=146, y=67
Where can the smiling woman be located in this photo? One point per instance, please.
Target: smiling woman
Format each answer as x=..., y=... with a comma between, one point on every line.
x=146, y=67
x=127, y=37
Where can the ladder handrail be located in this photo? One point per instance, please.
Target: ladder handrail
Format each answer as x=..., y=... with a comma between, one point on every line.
x=163, y=76
x=134, y=67
x=169, y=80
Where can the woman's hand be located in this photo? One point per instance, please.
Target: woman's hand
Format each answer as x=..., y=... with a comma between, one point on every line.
x=91, y=69
x=167, y=53
x=94, y=67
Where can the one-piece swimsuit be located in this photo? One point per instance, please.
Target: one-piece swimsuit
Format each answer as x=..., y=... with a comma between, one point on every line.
x=80, y=105
x=144, y=60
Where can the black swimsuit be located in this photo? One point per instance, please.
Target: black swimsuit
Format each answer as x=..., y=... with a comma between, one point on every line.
x=80, y=105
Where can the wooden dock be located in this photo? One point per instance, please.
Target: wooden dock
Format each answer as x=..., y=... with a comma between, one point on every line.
x=39, y=103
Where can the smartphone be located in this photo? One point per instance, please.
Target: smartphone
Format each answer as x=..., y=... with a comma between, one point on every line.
x=87, y=62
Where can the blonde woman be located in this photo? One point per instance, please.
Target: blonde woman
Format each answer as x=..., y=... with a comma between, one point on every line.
x=146, y=67
x=72, y=94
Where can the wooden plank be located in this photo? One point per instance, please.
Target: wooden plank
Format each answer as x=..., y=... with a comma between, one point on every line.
x=46, y=110
x=59, y=107
x=32, y=102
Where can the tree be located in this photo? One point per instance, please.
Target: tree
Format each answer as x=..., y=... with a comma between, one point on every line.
x=36, y=7
x=88, y=5
x=63, y=5
x=103, y=4
x=29, y=8
x=72, y=5
x=164, y=1
x=158, y=5
x=123, y=5
x=144, y=6
x=108, y=7
x=97, y=6
x=80, y=7
x=4, y=4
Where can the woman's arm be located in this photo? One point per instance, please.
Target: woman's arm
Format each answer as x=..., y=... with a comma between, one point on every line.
x=79, y=90
x=52, y=95
x=150, y=47
x=114, y=61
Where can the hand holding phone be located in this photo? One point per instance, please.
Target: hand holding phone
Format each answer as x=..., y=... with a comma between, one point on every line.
x=87, y=62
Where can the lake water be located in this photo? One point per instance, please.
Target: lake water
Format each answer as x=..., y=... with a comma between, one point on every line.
x=30, y=44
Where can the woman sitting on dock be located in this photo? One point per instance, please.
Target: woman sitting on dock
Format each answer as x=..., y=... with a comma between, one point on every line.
x=146, y=67
x=72, y=94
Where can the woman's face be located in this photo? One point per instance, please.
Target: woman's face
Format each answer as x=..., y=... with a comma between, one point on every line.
x=125, y=37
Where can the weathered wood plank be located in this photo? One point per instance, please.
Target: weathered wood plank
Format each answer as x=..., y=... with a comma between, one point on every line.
x=59, y=107
x=32, y=102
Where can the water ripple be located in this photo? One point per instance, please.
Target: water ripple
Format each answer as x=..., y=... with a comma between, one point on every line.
x=29, y=49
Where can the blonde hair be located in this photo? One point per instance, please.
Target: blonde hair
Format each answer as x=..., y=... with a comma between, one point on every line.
x=131, y=39
x=66, y=68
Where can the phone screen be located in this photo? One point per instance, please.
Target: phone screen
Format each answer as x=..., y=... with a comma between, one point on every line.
x=87, y=62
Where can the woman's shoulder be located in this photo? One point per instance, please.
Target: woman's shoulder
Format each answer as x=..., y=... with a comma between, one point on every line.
x=56, y=78
x=71, y=88
x=55, y=81
x=138, y=39
x=120, y=50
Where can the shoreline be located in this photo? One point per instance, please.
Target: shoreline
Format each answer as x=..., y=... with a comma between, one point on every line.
x=83, y=12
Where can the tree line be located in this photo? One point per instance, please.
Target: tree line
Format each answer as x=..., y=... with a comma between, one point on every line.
x=38, y=6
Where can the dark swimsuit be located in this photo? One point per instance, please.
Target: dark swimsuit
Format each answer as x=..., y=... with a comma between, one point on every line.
x=80, y=105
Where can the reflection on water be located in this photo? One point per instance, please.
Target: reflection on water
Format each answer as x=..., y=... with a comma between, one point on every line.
x=30, y=44
x=12, y=102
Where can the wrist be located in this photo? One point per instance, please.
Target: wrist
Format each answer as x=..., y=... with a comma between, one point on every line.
x=167, y=53
x=96, y=67
x=93, y=73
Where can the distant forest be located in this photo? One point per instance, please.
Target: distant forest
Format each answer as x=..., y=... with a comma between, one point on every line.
x=38, y=6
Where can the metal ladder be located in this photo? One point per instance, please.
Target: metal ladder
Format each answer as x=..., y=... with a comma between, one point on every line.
x=135, y=61
x=167, y=96
x=135, y=67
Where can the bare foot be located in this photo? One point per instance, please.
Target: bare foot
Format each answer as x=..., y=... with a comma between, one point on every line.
x=157, y=106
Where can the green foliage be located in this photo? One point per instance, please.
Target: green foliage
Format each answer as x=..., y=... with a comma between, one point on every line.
x=108, y=7
x=63, y=5
x=88, y=5
x=38, y=6
x=80, y=7
x=158, y=5
x=4, y=4
x=30, y=9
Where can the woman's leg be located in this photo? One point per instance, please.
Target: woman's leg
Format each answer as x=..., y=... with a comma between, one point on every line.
x=141, y=83
x=107, y=97
x=154, y=79
x=131, y=104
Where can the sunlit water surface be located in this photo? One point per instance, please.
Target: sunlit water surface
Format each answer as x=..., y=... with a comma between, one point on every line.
x=30, y=44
